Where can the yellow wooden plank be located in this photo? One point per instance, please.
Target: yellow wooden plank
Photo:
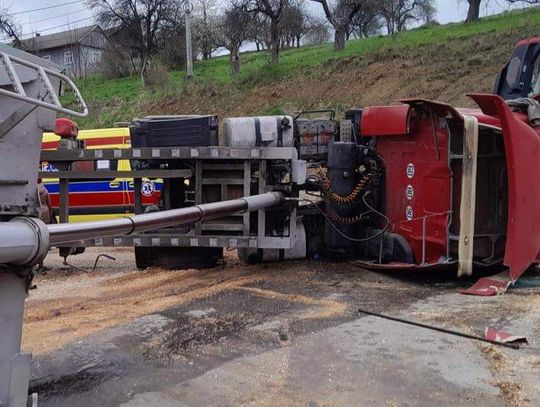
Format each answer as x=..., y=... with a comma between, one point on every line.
x=468, y=196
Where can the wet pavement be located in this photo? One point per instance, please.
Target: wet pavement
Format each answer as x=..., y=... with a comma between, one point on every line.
x=285, y=334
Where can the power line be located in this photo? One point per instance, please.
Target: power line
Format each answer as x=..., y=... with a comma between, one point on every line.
x=54, y=18
x=66, y=24
x=44, y=8
x=57, y=26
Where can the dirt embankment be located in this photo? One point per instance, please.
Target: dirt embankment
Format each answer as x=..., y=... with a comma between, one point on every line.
x=443, y=71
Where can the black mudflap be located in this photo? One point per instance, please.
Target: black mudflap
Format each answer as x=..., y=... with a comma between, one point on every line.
x=174, y=258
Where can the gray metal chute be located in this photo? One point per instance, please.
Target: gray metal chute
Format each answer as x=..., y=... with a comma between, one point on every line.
x=72, y=232
x=29, y=100
x=23, y=241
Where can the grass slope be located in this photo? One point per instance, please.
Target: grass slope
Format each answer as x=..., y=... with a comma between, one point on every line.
x=436, y=54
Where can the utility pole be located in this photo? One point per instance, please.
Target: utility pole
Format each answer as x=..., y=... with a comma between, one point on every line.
x=188, y=8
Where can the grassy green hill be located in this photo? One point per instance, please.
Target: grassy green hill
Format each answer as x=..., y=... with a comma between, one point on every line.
x=439, y=62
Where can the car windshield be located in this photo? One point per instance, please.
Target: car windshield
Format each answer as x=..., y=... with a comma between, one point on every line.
x=535, y=80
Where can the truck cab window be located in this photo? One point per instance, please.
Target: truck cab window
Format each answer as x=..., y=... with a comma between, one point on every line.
x=535, y=79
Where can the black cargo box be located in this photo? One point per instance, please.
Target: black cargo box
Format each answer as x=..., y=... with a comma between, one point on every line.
x=174, y=131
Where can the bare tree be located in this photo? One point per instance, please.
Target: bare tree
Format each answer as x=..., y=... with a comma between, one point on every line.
x=318, y=33
x=142, y=18
x=171, y=45
x=205, y=27
x=273, y=9
x=205, y=37
x=294, y=24
x=473, y=13
x=9, y=28
x=426, y=12
x=235, y=29
x=398, y=13
x=367, y=21
x=258, y=31
x=340, y=15
x=531, y=2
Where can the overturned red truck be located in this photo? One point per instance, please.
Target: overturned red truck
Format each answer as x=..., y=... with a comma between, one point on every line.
x=421, y=185
x=460, y=185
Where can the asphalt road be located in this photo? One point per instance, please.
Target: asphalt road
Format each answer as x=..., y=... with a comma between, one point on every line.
x=286, y=334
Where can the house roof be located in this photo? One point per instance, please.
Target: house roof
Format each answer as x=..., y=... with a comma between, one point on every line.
x=60, y=39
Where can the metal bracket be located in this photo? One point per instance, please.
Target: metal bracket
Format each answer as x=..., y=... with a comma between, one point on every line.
x=20, y=379
x=14, y=119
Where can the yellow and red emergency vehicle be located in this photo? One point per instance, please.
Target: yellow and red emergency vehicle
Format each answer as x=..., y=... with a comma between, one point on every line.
x=95, y=199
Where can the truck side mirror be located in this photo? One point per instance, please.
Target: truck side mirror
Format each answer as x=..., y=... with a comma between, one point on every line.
x=513, y=73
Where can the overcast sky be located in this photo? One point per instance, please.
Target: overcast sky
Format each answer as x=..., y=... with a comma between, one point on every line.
x=77, y=14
